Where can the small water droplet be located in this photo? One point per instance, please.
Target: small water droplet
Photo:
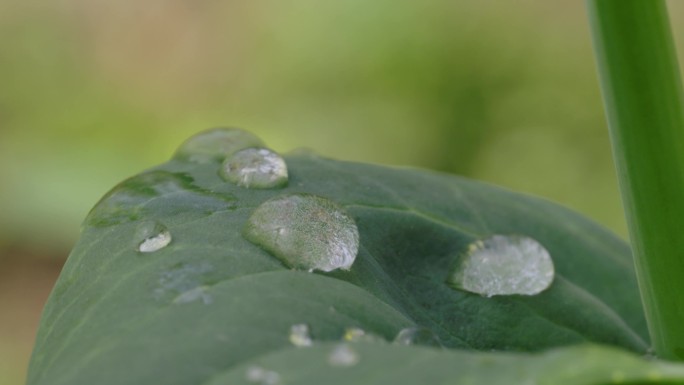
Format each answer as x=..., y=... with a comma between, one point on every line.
x=151, y=236
x=255, y=168
x=299, y=335
x=504, y=265
x=417, y=336
x=305, y=232
x=216, y=144
x=354, y=334
x=343, y=355
x=194, y=294
x=359, y=335
x=259, y=375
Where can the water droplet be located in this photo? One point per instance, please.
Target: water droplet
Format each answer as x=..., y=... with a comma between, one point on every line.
x=151, y=236
x=305, y=232
x=259, y=375
x=417, y=336
x=504, y=265
x=255, y=168
x=343, y=355
x=299, y=335
x=194, y=294
x=216, y=144
x=359, y=335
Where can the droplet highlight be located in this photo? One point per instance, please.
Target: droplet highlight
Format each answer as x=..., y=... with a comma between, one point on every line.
x=343, y=356
x=417, y=336
x=355, y=334
x=255, y=168
x=504, y=265
x=151, y=237
x=300, y=336
x=261, y=376
x=216, y=144
x=305, y=232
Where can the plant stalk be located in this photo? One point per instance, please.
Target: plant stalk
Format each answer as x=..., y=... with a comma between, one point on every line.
x=642, y=92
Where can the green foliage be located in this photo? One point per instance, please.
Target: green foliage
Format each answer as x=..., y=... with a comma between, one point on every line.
x=645, y=107
x=212, y=303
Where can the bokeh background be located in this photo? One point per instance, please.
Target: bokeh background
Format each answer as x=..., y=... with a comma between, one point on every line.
x=92, y=92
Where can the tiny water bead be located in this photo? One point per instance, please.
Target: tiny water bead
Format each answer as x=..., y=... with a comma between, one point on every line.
x=151, y=236
x=305, y=232
x=417, y=336
x=504, y=265
x=216, y=144
x=355, y=334
x=343, y=355
x=299, y=335
x=261, y=376
x=255, y=168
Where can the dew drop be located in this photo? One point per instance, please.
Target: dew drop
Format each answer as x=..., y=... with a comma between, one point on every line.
x=151, y=236
x=216, y=144
x=255, y=168
x=504, y=265
x=259, y=375
x=343, y=355
x=299, y=335
x=417, y=336
x=305, y=232
x=359, y=335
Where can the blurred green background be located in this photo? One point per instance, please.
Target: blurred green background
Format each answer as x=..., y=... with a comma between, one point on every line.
x=92, y=92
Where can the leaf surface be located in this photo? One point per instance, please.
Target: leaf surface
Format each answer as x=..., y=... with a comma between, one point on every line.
x=211, y=300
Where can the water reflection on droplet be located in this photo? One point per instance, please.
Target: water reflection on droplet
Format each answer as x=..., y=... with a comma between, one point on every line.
x=151, y=236
x=305, y=232
x=299, y=335
x=417, y=336
x=504, y=265
x=255, y=168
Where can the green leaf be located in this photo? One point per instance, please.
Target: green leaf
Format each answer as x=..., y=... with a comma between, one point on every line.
x=391, y=364
x=211, y=300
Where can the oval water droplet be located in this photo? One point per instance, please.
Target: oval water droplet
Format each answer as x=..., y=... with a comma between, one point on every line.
x=255, y=168
x=305, y=232
x=299, y=335
x=343, y=355
x=259, y=375
x=151, y=236
x=359, y=335
x=417, y=336
x=216, y=144
x=504, y=265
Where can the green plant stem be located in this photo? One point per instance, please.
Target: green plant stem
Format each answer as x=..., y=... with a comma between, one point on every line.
x=643, y=99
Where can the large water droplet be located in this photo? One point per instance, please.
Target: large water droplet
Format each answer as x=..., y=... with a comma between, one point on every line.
x=299, y=335
x=259, y=375
x=151, y=236
x=305, y=232
x=504, y=265
x=417, y=336
x=216, y=144
x=343, y=355
x=255, y=168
